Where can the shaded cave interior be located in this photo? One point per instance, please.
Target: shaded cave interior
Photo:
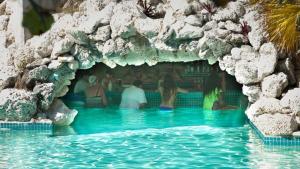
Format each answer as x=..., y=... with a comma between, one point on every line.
x=193, y=76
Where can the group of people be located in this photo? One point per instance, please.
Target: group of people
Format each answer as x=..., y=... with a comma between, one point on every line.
x=133, y=96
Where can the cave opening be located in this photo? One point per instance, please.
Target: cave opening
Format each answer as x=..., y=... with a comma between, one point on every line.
x=191, y=76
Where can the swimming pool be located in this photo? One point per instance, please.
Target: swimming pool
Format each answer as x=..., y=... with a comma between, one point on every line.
x=112, y=138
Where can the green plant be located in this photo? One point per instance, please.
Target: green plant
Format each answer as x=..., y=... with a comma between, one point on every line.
x=282, y=23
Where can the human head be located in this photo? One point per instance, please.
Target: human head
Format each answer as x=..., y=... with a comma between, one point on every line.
x=169, y=82
x=108, y=73
x=92, y=79
x=138, y=83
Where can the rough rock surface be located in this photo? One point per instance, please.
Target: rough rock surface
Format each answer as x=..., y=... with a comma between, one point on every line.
x=266, y=106
x=60, y=114
x=273, y=85
x=253, y=92
x=17, y=105
x=292, y=100
x=45, y=95
x=276, y=124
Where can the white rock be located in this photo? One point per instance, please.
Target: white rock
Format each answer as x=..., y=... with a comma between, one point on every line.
x=266, y=106
x=148, y=27
x=229, y=25
x=236, y=39
x=62, y=47
x=54, y=64
x=276, y=124
x=231, y=12
x=181, y=6
x=60, y=114
x=17, y=105
x=246, y=72
x=43, y=44
x=210, y=25
x=253, y=92
x=122, y=20
x=74, y=65
x=65, y=59
x=257, y=35
x=292, y=99
x=102, y=34
x=273, y=85
x=267, y=60
x=190, y=32
x=3, y=22
x=101, y=18
x=195, y=20
x=227, y=63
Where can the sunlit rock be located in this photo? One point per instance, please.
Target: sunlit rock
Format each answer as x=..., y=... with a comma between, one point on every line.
x=267, y=60
x=62, y=47
x=266, y=106
x=257, y=35
x=98, y=18
x=60, y=114
x=292, y=100
x=252, y=91
x=276, y=124
x=231, y=12
x=195, y=20
x=148, y=27
x=273, y=85
x=102, y=34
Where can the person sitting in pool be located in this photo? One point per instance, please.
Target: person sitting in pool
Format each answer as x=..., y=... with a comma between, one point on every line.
x=213, y=91
x=134, y=97
x=107, y=81
x=81, y=85
x=168, y=91
x=95, y=96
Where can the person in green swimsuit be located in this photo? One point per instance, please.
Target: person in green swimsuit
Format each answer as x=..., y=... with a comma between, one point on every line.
x=214, y=90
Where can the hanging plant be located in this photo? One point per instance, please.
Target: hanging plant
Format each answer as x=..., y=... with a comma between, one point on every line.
x=149, y=10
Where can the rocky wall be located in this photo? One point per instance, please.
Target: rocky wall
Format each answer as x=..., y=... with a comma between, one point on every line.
x=119, y=33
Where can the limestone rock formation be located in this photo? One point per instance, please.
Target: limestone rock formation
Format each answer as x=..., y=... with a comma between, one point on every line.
x=276, y=124
x=292, y=100
x=17, y=105
x=273, y=85
x=60, y=114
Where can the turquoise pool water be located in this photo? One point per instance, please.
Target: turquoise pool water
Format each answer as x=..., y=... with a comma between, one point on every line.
x=111, y=138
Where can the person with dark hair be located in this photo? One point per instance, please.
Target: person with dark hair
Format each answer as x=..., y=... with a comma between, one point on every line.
x=94, y=93
x=214, y=90
x=134, y=97
x=168, y=91
x=107, y=81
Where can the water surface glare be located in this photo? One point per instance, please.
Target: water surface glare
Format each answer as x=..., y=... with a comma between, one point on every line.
x=111, y=138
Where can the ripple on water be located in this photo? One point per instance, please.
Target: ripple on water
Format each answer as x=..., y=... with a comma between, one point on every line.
x=177, y=147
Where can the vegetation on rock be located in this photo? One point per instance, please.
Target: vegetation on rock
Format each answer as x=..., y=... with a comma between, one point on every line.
x=282, y=23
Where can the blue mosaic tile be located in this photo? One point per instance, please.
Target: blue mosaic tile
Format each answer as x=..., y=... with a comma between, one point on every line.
x=35, y=126
x=276, y=140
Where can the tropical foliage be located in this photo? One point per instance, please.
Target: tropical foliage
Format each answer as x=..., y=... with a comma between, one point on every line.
x=282, y=23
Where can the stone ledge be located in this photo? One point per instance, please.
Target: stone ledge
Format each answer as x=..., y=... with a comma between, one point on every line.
x=35, y=126
x=276, y=140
